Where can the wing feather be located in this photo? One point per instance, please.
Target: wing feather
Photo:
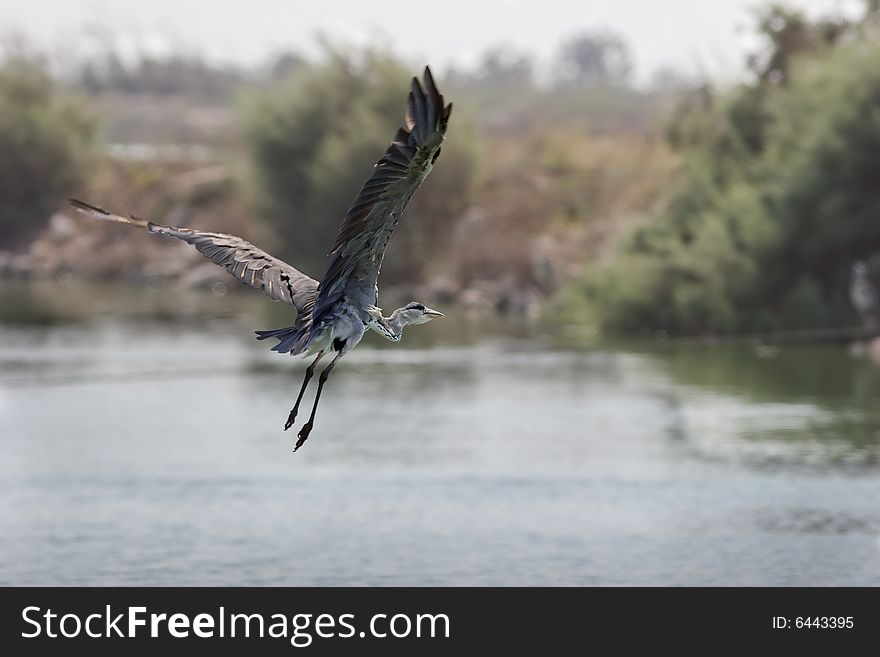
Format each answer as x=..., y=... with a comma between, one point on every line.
x=252, y=266
x=368, y=225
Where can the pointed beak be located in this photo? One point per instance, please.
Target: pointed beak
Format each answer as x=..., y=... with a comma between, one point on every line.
x=433, y=313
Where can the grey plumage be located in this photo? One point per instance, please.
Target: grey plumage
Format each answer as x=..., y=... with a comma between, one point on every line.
x=250, y=265
x=334, y=314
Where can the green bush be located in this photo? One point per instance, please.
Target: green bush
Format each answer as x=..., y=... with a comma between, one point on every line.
x=778, y=196
x=45, y=140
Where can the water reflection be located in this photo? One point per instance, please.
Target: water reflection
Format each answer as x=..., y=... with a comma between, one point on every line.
x=145, y=450
x=813, y=406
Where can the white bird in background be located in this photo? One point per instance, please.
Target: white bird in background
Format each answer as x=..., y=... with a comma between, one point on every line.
x=864, y=295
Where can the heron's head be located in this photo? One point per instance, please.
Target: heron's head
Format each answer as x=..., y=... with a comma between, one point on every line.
x=416, y=313
x=859, y=268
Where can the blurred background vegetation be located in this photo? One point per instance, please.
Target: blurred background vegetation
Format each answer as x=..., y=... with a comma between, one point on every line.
x=677, y=207
x=778, y=192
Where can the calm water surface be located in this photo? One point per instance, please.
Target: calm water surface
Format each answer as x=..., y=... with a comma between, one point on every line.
x=146, y=451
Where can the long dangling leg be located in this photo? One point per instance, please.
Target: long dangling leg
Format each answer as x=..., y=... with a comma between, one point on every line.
x=309, y=371
x=307, y=427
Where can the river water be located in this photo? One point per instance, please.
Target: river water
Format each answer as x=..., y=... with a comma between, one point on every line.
x=142, y=443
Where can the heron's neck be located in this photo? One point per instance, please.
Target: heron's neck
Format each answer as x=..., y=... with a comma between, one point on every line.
x=391, y=327
x=396, y=323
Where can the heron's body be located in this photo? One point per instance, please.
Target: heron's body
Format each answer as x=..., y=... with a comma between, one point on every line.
x=334, y=313
x=340, y=330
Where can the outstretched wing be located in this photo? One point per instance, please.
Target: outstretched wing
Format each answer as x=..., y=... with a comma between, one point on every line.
x=366, y=229
x=252, y=266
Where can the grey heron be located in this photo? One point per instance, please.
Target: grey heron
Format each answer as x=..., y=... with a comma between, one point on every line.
x=334, y=313
x=864, y=295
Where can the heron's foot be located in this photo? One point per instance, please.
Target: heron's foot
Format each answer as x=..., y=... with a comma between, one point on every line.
x=303, y=435
x=290, y=419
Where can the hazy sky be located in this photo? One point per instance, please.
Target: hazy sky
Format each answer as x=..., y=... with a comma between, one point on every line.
x=708, y=36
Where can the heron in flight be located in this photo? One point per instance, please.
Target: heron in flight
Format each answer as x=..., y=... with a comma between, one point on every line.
x=334, y=313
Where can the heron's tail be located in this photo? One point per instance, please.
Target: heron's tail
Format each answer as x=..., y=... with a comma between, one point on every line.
x=287, y=337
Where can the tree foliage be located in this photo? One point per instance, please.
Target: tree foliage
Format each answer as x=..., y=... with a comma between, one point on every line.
x=45, y=137
x=152, y=76
x=594, y=58
x=501, y=67
x=778, y=195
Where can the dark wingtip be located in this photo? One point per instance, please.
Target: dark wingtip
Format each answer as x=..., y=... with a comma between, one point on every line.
x=419, y=107
x=431, y=89
x=409, y=117
x=87, y=207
